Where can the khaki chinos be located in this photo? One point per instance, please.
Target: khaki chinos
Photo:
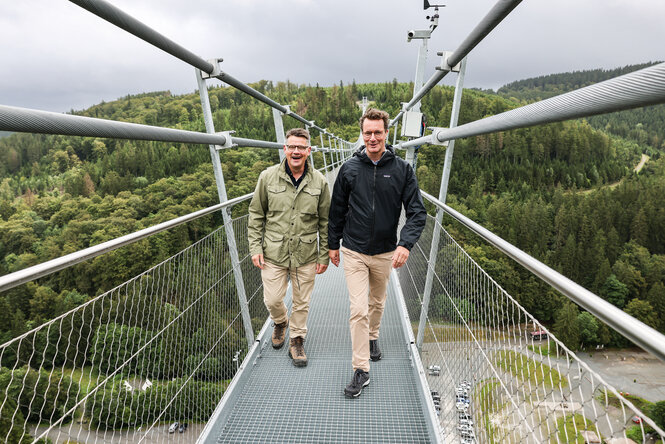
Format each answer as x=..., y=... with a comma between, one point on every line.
x=367, y=280
x=275, y=281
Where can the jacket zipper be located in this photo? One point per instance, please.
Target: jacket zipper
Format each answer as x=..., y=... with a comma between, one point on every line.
x=371, y=237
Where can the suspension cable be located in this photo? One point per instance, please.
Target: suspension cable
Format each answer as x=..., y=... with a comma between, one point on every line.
x=121, y=19
x=633, y=90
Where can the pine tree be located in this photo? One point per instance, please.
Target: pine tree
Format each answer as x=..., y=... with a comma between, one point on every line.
x=567, y=327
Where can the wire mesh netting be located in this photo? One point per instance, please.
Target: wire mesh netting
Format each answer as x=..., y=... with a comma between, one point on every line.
x=145, y=362
x=496, y=374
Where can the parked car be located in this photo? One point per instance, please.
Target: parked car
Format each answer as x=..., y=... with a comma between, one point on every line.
x=183, y=427
x=174, y=427
x=468, y=422
x=461, y=406
x=434, y=370
x=636, y=419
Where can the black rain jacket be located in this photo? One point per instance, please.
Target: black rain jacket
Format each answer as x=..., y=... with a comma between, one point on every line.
x=367, y=201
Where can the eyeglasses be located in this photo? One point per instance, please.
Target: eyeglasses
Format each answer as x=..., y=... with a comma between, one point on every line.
x=300, y=148
x=376, y=134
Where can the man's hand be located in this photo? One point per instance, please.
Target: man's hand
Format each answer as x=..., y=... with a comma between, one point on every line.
x=334, y=257
x=400, y=256
x=258, y=261
x=320, y=268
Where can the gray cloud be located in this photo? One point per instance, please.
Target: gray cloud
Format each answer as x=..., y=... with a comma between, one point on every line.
x=57, y=56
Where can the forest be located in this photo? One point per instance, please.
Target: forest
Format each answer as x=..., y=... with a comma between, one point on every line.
x=566, y=193
x=644, y=125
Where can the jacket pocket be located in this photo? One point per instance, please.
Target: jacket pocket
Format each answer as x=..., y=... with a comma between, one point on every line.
x=310, y=200
x=277, y=198
x=274, y=247
x=308, y=248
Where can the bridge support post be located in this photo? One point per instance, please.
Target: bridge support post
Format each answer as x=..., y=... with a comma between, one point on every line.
x=443, y=191
x=228, y=224
x=279, y=130
x=323, y=152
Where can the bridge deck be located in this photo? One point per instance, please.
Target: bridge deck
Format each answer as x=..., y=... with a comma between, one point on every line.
x=277, y=402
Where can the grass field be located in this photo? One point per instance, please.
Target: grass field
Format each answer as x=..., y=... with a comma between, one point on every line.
x=527, y=369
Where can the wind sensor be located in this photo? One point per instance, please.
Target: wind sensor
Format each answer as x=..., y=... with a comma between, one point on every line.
x=434, y=18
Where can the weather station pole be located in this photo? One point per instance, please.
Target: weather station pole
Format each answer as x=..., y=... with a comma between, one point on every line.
x=412, y=120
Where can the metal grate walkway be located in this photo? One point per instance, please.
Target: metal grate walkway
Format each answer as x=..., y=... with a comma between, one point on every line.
x=277, y=402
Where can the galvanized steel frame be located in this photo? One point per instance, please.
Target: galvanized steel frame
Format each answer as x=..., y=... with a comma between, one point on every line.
x=443, y=192
x=500, y=11
x=228, y=226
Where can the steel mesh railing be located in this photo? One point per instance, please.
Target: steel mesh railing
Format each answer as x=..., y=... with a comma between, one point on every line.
x=494, y=377
x=157, y=349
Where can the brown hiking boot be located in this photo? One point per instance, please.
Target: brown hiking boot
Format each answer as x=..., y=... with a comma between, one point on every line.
x=279, y=334
x=297, y=352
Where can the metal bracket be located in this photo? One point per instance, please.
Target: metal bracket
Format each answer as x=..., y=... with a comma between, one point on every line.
x=445, y=55
x=435, y=130
x=418, y=34
x=288, y=110
x=229, y=140
x=215, y=69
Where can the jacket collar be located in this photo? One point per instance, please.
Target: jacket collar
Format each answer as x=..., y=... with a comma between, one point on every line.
x=305, y=180
x=387, y=156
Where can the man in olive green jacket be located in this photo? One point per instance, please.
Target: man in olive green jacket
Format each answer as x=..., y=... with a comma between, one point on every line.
x=288, y=214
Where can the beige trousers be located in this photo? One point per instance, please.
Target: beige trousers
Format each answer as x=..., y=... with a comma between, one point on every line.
x=275, y=282
x=367, y=280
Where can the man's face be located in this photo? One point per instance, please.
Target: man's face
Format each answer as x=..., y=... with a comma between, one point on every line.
x=374, y=136
x=296, y=150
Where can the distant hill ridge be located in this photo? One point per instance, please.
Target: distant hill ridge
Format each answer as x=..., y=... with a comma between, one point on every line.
x=644, y=125
x=542, y=87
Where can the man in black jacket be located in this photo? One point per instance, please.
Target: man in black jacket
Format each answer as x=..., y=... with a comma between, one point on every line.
x=367, y=200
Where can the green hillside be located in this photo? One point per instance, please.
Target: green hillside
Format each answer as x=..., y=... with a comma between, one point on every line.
x=551, y=190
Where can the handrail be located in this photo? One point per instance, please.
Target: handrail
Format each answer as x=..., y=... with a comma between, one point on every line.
x=45, y=122
x=500, y=11
x=633, y=90
x=641, y=334
x=28, y=274
x=121, y=19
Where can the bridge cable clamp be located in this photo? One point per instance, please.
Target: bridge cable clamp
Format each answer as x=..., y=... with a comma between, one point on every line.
x=435, y=140
x=229, y=140
x=216, y=70
x=444, y=66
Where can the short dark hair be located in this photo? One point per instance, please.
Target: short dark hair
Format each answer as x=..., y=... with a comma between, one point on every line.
x=375, y=114
x=298, y=132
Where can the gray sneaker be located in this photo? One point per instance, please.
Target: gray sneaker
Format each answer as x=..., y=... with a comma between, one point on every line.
x=355, y=387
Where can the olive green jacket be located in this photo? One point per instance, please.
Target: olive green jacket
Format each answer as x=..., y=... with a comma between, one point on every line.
x=284, y=222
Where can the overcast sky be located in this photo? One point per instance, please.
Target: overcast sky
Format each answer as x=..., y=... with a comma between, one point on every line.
x=56, y=56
